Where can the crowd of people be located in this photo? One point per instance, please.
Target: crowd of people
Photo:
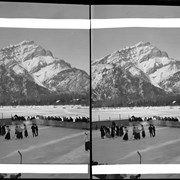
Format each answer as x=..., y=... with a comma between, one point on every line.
x=140, y=119
x=138, y=131
x=169, y=119
x=19, y=131
x=53, y=118
x=135, y=119
x=65, y=119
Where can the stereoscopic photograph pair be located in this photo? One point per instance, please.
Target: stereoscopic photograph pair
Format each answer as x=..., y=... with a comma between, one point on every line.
x=88, y=86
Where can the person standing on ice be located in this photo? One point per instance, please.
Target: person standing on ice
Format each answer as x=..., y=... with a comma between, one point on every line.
x=125, y=138
x=112, y=131
x=153, y=131
x=8, y=136
x=102, y=132
x=150, y=130
x=121, y=132
x=20, y=131
x=143, y=131
x=3, y=130
x=16, y=131
x=25, y=131
x=87, y=143
x=33, y=129
x=134, y=132
x=0, y=130
x=36, y=130
x=138, y=133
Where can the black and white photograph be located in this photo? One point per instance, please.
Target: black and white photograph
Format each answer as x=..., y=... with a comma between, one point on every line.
x=44, y=89
x=135, y=88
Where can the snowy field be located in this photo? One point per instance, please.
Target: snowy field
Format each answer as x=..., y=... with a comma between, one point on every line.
x=99, y=114
x=161, y=149
x=68, y=110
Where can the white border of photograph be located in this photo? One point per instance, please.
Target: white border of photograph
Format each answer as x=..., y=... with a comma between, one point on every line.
x=137, y=169
x=135, y=22
x=44, y=168
x=45, y=23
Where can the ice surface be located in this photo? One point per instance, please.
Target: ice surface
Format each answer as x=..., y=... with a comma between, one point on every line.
x=162, y=149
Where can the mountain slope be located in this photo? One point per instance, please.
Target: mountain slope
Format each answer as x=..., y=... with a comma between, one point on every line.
x=135, y=74
x=16, y=88
x=28, y=63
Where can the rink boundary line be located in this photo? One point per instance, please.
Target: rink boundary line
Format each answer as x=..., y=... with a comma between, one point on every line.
x=43, y=144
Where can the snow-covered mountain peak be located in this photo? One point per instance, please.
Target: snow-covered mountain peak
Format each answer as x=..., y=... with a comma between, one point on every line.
x=28, y=59
x=141, y=43
x=26, y=42
x=140, y=59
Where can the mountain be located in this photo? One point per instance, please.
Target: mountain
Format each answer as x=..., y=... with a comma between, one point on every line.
x=137, y=74
x=28, y=72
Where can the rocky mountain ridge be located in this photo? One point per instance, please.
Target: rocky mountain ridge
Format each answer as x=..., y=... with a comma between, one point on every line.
x=47, y=74
x=137, y=73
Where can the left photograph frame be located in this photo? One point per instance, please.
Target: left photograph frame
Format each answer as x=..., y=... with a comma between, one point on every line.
x=45, y=90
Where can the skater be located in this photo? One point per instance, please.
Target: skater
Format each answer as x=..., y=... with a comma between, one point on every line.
x=33, y=129
x=20, y=132
x=112, y=131
x=25, y=131
x=138, y=133
x=134, y=132
x=3, y=130
x=153, y=131
x=108, y=132
x=8, y=136
x=16, y=131
x=117, y=130
x=87, y=143
x=102, y=132
x=143, y=131
x=150, y=130
x=125, y=138
x=36, y=130
x=121, y=132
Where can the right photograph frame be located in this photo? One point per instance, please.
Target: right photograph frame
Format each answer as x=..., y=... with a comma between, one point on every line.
x=135, y=86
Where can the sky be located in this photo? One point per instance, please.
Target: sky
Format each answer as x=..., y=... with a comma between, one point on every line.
x=70, y=45
x=106, y=41
x=43, y=10
x=134, y=11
